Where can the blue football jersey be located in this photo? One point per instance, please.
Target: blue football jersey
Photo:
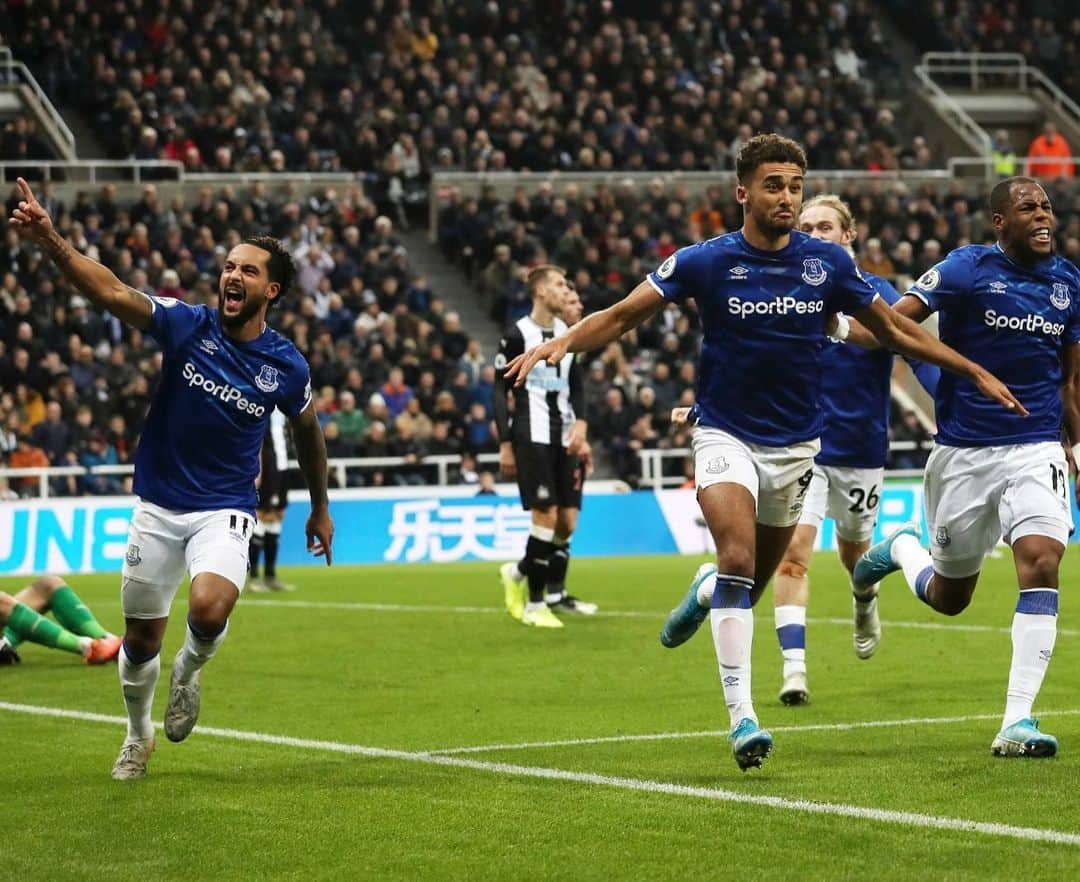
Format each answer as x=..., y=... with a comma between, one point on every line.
x=1016, y=323
x=763, y=316
x=855, y=393
x=200, y=446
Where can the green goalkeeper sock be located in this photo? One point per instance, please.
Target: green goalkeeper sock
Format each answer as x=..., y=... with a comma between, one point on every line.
x=73, y=614
x=11, y=637
x=38, y=629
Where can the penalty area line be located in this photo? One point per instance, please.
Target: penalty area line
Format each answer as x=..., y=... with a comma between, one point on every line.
x=643, y=785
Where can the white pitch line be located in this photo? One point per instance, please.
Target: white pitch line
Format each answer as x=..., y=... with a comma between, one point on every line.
x=713, y=733
x=615, y=613
x=884, y=816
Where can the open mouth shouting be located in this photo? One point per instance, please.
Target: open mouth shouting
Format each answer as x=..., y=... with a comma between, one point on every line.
x=234, y=299
x=1041, y=238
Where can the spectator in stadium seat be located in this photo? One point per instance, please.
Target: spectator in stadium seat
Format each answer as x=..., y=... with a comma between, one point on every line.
x=27, y=455
x=1048, y=155
x=351, y=422
x=52, y=434
x=395, y=393
x=874, y=260
x=1003, y=155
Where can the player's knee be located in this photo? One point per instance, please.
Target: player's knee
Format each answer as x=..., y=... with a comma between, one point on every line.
x=545, y=517
x=735, y=561
x=209, y=613
x=7, y=604
x=142, y=637
x=566, y=522
x=792, y=569
x=1039, y=569
x=953, y=603
x=46, y=586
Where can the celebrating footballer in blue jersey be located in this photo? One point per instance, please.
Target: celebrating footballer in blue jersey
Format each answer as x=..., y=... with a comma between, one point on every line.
x=1015, y=307
x=849, y=470
x=766, y=295
x=224, y=371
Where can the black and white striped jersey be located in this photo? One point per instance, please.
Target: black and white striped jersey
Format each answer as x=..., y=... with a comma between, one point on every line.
x=552, y=397
x=275, y=443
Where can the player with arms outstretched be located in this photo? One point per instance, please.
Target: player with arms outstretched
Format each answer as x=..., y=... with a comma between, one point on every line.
x=22, y=617
x=1015, y=307
x=223, y=373
x=766, y=294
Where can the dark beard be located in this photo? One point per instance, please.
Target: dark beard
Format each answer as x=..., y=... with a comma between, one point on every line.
x=247, y=311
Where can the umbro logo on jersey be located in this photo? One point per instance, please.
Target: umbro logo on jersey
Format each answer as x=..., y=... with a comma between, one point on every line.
x=208, y=346
x=998, y=287
x=739, y=273
x=1060, y=296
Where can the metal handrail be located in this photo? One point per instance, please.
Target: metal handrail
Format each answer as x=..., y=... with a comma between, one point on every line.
x=20, y=70
x=339, y=466
x=968, y=129
x=90, y=170
x=1023, y=162
x=981, y=64
x=652, y=467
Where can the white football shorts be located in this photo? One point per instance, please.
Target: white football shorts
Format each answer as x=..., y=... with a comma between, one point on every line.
x=974, y=495
x=163, y=544
x=777, y=477
x=849, y=496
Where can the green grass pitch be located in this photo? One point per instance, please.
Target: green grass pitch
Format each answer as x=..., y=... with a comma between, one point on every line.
x=414, y=659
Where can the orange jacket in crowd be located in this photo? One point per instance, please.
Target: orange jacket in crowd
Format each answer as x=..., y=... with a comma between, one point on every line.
x=1052, y=147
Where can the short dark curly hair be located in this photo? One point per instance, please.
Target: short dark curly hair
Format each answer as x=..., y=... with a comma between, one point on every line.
x=767, y=148
x=280, y=267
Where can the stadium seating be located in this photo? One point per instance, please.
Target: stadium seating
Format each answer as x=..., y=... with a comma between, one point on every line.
x=467, y=86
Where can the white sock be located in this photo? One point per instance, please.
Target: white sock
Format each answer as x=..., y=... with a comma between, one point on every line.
x=912, y=559
x=733, y=636
x=196, y=652
x=137, y=683
x=791, y=632
x=1034, y=632
x=705, y=592
x=531, y=606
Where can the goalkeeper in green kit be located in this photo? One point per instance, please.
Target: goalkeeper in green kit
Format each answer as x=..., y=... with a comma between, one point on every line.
x=75, y=629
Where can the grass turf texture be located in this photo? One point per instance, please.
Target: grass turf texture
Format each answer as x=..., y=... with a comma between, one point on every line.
x=437, y=679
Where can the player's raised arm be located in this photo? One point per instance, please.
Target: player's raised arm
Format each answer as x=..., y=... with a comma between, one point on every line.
x=92, y=279
x=898, y=332
x=311, y=454
x=596, y=331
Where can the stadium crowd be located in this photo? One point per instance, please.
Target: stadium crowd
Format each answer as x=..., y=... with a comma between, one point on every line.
x=556, y=84
x=393, y=371
x=1045, y=32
